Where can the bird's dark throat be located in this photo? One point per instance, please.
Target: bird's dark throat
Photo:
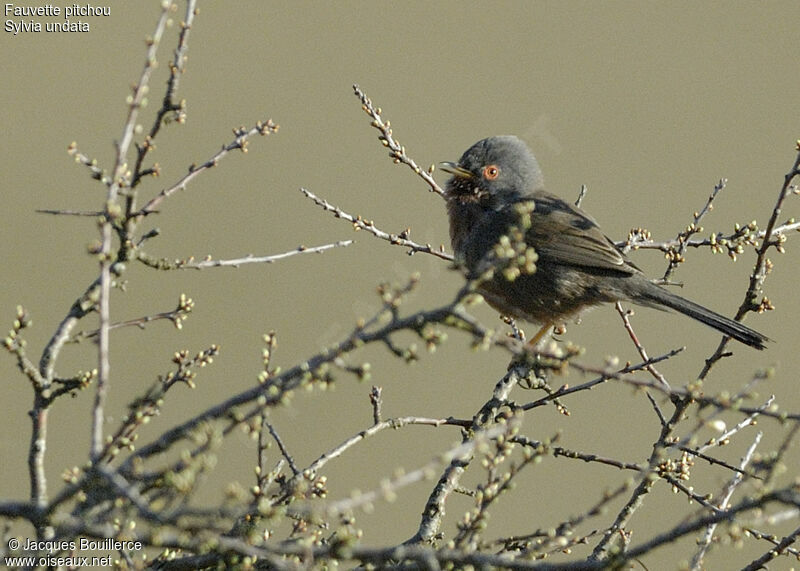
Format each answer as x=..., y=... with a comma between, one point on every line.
x=464, y=191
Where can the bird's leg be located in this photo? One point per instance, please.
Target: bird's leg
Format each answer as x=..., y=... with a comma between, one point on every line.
x=539, y=334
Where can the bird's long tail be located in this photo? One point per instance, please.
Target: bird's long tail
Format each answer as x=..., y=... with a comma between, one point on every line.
x=660, y=296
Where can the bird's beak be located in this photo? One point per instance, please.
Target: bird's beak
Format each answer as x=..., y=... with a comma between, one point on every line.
x=456, y=170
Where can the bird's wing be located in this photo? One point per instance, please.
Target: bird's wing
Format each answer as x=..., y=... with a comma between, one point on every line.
x=564, y=234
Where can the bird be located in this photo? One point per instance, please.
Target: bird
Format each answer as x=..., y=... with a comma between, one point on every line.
x=496, y=202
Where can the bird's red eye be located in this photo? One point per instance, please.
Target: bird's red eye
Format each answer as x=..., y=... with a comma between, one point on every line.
x=491, y=172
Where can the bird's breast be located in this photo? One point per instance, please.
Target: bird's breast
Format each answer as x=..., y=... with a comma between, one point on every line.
x=464, y=217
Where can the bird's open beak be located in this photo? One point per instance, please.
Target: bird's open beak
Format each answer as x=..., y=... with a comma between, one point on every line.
x=456, y=170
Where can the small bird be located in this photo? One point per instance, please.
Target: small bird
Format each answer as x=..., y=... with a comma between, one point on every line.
x=497, y=191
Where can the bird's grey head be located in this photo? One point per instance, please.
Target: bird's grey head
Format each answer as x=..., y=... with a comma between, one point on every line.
x=494, y=172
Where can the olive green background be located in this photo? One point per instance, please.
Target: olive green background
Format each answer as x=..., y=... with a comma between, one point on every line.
x=649, y=105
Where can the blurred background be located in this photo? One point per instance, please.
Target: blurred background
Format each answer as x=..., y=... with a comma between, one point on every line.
x=648, y=105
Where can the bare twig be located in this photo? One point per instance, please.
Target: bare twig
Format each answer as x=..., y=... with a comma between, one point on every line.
x=376, y=400
x=458, y=454
x=393, y=423
x=716, y=242
x=281, y=446
x=242, y=135
x=449, y=480
x=191, y=264
x=581, y=196
x=762, y=264
x=557, y=451
x=177, y=316
x=168, y=104
x=119, y=179
x=359, y=223
x=730, y=488
x=57, y=212
x=675, y=254
x=625, y=315
x=396, y=151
